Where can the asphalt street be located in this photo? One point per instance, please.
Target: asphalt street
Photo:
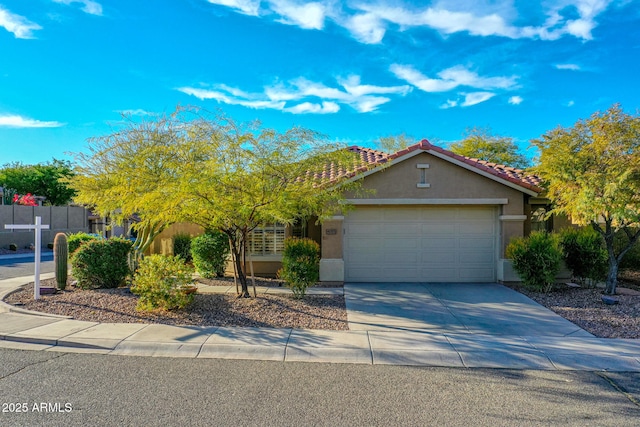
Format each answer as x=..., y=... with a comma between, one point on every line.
x=63, y=389
x=24, y=266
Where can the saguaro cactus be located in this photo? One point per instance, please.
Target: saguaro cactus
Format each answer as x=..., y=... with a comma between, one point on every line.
x=60, y=259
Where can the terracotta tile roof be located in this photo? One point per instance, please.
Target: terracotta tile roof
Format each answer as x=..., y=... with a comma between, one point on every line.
x=368, y=158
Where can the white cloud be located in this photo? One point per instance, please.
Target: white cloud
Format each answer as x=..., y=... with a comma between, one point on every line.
x=230, y=98
x=89, y=6
x=476, y=98
x=449, y=104
x=20, y=26
x=368, y=22
x=450, y=78
x=309, y=107
x=572, y=67
x=14, y=121
x=570, y=103
x=305, y=95
x=366, y=28
x=468, y=99
x=248, y=7
x=305, y=15
x=515, y=100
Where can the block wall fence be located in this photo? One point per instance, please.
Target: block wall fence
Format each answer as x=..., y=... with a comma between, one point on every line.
x=61, y=219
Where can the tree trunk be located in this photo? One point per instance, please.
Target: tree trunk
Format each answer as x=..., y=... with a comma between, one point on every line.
x=236, y=248
x=612, y=276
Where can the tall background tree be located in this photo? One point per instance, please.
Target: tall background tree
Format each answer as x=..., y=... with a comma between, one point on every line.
x=210, y=170
x=45, y=179
x=592, y=174
x=481, y=144
x=394, y=143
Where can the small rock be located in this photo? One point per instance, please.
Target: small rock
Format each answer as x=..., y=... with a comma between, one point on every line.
x=573, y=285
x=609, y=300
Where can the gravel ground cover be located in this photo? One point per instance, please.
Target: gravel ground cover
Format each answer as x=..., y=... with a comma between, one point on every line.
x=582, y=306
x=118, y=305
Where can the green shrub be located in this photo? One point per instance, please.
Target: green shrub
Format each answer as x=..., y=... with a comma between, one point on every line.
x=101, y=263
x=536, y=259
x=632, y=258
x=300, y=264
x=182, y=246
x=75, y=240
x=209, y=252
x=584, y=254
x=163, y=282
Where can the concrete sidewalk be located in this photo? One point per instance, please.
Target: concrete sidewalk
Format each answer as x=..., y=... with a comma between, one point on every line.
x=418, y=348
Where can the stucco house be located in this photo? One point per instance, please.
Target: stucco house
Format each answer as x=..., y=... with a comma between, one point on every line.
x=431, y=216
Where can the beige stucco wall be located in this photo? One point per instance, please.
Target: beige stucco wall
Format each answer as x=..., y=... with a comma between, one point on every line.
x=163, y=243
x=446, y=181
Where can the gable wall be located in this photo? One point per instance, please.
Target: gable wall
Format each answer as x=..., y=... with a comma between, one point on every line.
x=447, y=181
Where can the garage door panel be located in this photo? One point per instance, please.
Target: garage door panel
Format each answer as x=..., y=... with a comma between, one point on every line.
x=437, y=214
x=405, y=259
x=438, y=228
x=438, y=243
x=367, y=258
x=475, y=257
x=365, y=229
x=364, y=243
x=439, y=257
x=401, y=244
x=486, y=243
x=395, y=229
x=421, y=244
x=481, y=228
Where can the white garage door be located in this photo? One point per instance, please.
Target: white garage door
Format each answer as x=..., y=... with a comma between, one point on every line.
x=420, y=244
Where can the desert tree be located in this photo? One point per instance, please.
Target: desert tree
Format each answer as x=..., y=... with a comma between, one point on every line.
x=592, y=175
x=133, y=173
x=209, y=170
x=250, y=176
x=481, y=144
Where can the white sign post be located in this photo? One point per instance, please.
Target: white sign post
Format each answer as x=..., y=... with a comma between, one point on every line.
x=37, y=228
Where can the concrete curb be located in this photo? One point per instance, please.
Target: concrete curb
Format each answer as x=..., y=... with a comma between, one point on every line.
x=24, y=330
x=8, y=308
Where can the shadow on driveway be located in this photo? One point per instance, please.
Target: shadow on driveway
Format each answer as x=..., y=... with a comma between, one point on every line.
x=455, y=308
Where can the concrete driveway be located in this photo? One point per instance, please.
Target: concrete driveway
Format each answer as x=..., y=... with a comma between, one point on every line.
x=454, y=308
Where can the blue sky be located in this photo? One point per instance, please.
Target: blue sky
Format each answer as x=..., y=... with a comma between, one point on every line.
x=352, y=70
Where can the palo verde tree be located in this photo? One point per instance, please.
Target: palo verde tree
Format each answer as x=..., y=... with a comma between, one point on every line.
x=209, y=170
x=249, y=176
x=133, y=173
x=480, y=144
x=592, y=174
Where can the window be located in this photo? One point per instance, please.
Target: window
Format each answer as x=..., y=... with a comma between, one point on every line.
x=267, y=240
